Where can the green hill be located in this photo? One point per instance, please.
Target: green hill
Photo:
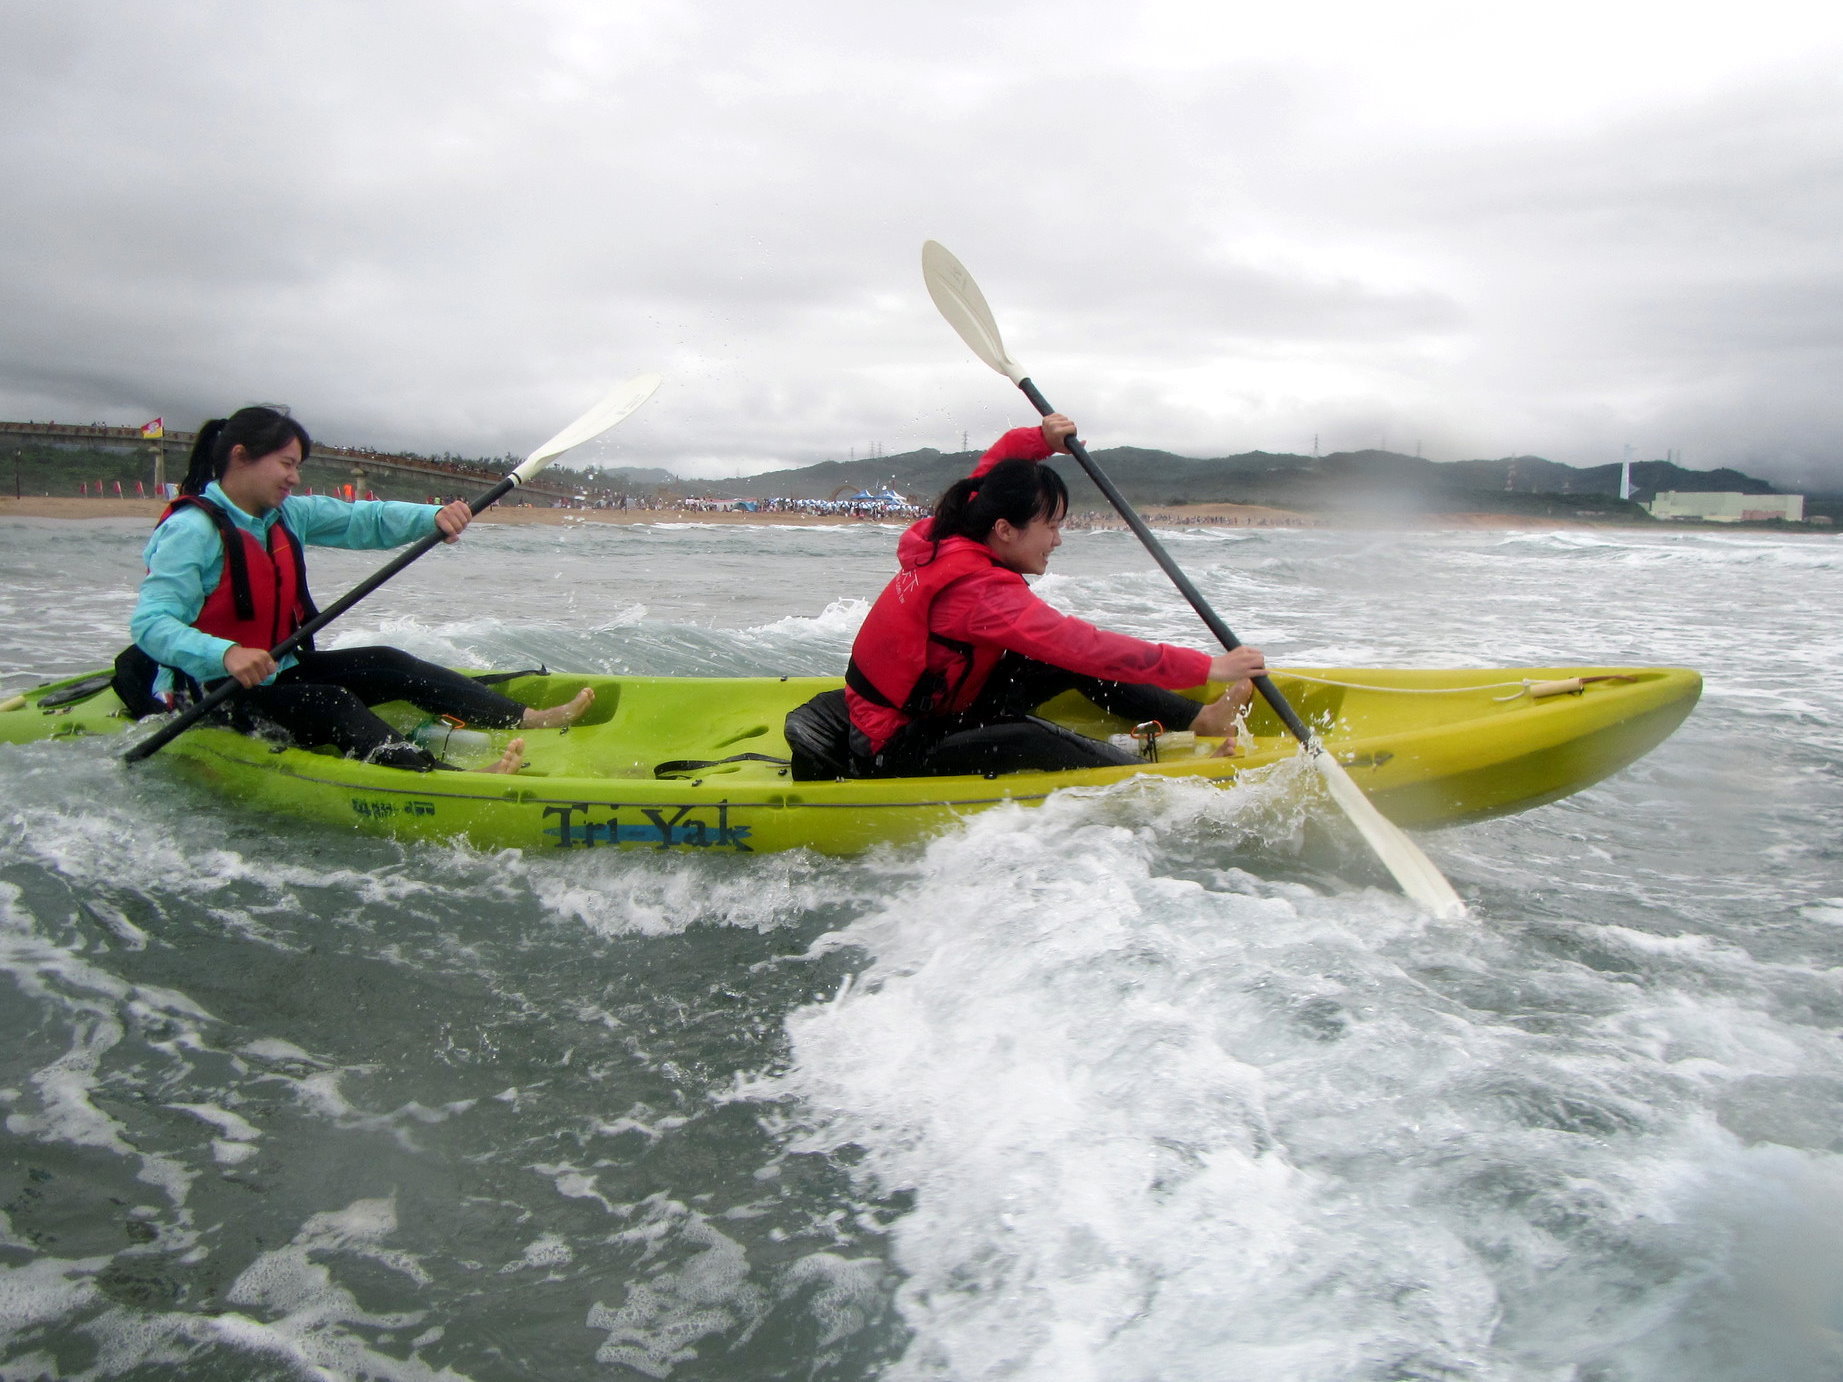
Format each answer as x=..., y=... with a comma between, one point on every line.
x=39, y=468
x=1344, y=482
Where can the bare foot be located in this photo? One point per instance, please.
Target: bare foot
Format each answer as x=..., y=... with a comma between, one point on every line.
x=559, y=715
x=510, y=761
x=1218, y=718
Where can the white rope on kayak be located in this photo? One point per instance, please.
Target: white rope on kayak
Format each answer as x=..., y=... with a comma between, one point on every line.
x=1535, y=690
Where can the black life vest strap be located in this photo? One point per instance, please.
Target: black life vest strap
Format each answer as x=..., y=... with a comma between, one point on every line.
x=233, y=550
x=309, y=610
x=928, y=687
x=858, y=682
x=965, y=650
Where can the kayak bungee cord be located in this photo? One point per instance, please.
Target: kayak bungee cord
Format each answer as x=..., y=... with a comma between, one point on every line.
x=1535, y=690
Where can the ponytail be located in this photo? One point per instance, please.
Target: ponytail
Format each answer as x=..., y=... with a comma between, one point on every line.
x=259, y=430
x=199, y=469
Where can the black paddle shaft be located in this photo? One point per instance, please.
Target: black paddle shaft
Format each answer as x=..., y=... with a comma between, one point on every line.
x=1224, y=634
x=227, y=688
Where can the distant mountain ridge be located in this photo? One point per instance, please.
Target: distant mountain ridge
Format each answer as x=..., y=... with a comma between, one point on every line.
x=1369, y=481
x=1372, y=482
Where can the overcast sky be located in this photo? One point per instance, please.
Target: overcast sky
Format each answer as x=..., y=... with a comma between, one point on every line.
x=1207, y=227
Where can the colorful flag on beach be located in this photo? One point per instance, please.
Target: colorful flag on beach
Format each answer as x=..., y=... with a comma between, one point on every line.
x=154, y=429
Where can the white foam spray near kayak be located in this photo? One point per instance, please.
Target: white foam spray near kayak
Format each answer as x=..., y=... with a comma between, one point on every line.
x=1159, y=1126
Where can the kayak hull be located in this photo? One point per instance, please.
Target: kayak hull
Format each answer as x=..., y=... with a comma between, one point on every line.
x=1430, y=748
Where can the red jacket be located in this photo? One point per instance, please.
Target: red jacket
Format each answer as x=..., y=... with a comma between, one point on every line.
x=989, y=610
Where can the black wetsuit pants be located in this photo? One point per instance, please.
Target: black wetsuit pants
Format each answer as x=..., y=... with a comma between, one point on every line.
x=999, y=734
x=325, y=698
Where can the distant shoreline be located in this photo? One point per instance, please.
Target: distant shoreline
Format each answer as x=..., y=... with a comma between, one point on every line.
x=1190, y=516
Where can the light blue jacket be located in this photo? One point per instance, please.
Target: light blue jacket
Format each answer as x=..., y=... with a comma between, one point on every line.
x=185, y=562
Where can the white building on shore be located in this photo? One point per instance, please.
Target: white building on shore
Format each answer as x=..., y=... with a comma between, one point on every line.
x=1728, y=508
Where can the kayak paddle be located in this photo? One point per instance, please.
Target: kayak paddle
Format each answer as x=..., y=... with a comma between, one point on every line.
x=960, y=301
x=620, y=401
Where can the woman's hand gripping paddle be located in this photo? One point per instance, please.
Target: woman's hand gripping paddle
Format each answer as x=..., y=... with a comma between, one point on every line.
x=960, y=301
x=620, y=401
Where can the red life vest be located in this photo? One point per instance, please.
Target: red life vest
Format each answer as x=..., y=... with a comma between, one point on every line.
x=889, y=659
x=261, y=597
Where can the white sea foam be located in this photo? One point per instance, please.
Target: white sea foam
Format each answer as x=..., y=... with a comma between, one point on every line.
x=1159, y=1128
x=293, y=1308
x=232, y=1126
x=668, y=1310
x=839, y=621
x=623, y=894
x=542, y=1254
x=275, y=1051
x=39, y=1292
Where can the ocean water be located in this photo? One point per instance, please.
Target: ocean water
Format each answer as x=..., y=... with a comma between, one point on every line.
x=1152, y=1084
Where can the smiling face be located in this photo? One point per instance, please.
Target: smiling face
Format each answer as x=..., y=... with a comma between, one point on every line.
x=1026, y=549
x=257, y=484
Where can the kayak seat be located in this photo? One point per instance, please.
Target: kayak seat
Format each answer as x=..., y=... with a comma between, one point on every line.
x=819, y=738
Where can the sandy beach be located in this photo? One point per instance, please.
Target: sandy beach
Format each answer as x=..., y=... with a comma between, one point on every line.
x=1191, y=515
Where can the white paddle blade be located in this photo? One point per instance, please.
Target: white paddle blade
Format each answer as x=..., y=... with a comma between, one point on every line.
x=1413, y=870
x=964, y=306
x=621, y=401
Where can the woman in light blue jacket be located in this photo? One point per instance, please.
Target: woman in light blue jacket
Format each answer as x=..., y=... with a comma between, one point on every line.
x=226, y=581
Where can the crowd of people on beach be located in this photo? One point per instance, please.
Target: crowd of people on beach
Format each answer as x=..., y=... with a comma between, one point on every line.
x=1089, y=520
x=886, y=511
x=891, y=512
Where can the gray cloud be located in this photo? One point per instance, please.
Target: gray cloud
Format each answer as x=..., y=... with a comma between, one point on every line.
x=452, y=225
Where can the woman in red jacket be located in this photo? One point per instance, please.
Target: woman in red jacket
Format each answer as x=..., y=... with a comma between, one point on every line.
x=957, y=651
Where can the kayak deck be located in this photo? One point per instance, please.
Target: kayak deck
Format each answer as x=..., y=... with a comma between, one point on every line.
x=1430, y=747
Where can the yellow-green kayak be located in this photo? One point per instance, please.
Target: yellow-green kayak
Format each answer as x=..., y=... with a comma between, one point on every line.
x=1430, y=747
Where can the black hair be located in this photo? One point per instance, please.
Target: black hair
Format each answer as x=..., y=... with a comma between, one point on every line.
x=258, y=429
x=1017, y=491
